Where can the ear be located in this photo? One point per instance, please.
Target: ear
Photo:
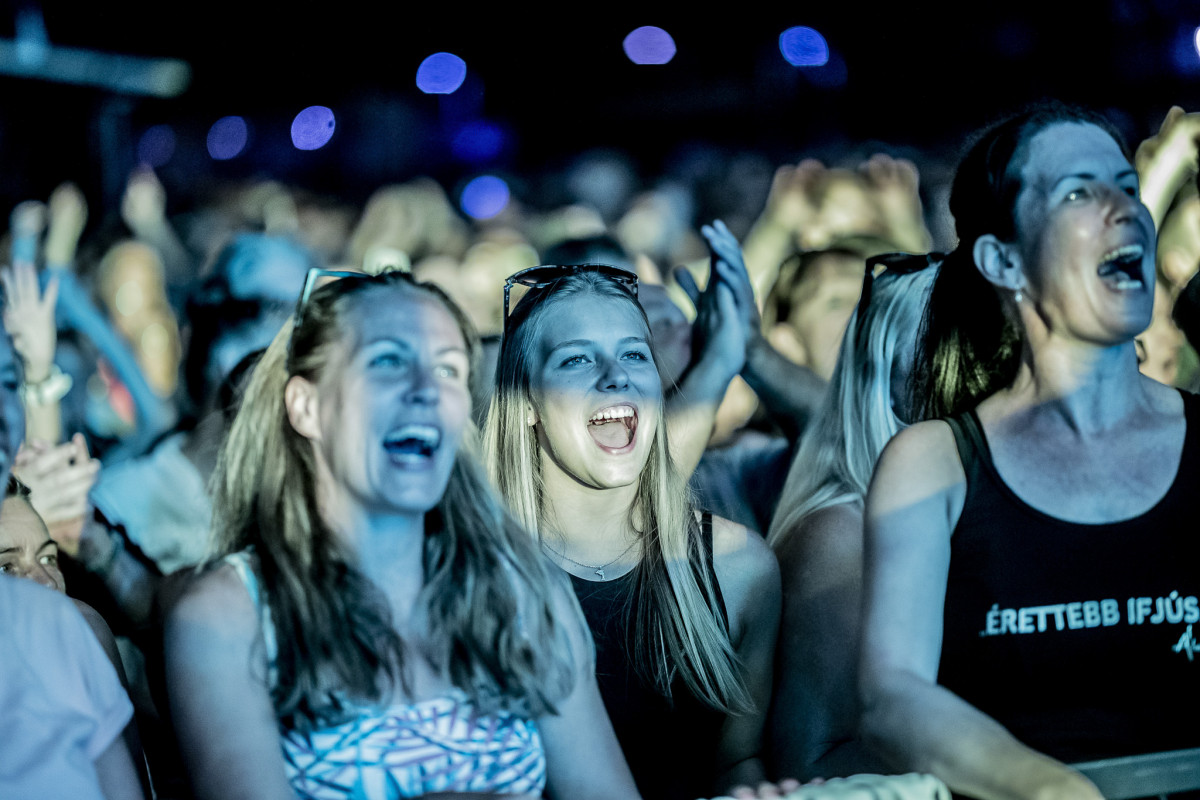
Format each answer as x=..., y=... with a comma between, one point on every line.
x=531, y=417
x=300, y=400
x=999, y=263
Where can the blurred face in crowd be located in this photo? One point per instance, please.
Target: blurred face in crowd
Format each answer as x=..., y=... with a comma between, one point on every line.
x=26, y=549
x=822, y=302
x=670, y=332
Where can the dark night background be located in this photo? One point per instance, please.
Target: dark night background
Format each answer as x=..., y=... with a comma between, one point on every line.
x=554, y=81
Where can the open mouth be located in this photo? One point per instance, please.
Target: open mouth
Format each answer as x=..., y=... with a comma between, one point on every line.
x=413, y=442
x=1121, y=268
x=614, y=428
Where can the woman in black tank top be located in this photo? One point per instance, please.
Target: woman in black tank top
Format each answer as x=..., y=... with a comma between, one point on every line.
x=683, y=609
x=1029, y=570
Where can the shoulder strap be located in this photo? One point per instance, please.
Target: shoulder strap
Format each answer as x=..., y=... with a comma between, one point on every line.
x=706, y=543
x=240, y=562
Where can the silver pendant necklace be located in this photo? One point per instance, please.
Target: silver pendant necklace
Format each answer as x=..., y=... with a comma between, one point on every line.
x=599, y=570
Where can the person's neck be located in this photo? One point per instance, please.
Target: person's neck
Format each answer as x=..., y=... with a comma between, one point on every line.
x=1089, y=388
x=585, y=524
x=388, y=548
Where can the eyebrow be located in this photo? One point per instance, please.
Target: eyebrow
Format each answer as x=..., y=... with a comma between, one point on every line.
x=1091, y=176
x=590, y=342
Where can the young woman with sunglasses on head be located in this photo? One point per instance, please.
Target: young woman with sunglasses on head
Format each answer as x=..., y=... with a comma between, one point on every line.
x=377, y=625
x=817, y=531
x=683, y=607
x=1011, y=544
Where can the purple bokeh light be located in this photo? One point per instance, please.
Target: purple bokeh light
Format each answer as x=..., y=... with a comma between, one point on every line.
x=157, y=145
x=484, y=197
x=649, y=45
x=227, y=138
x=313, y=128
x=441, y=73
x=804, y=47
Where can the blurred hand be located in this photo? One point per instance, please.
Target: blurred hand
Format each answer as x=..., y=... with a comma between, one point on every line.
x=59, y=479
x=28, y=219
x=770, y=790
x=894, y=183
x=730, y=267
x=794, y=199
x=29, y=318
x=144, y=204
x=68, y=215
x=1175, y=143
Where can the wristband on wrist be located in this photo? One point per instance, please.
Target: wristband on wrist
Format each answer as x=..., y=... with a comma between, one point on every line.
x=50, y=390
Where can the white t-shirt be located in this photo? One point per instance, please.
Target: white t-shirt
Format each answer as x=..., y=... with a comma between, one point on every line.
x=61, y=703
x=162, y=502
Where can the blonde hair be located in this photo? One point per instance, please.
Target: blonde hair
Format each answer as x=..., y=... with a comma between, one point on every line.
x=489, y=616
x=677, y=627
x=838, y=453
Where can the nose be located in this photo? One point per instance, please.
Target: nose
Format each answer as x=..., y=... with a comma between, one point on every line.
x=424, y=386
x=1123, y=207
x=613, y=375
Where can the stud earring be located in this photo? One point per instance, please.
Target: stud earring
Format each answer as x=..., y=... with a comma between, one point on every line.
x=1018, y=296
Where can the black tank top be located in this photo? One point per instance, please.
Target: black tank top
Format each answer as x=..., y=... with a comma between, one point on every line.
x=670, y=745
x=1077, y=638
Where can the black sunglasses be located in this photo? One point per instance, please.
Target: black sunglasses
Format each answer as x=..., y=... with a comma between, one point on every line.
x=542, y=276
x=896, y=264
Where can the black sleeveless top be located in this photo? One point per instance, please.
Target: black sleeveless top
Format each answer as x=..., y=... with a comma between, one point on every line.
x=670, y=745
x=1077, y=638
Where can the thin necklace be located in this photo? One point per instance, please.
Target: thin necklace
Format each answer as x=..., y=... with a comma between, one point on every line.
x=599, y=570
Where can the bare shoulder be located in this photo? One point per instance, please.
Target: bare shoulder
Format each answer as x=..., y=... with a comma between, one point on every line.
x=814, y=551
x=918, y=463
x=214, y=601
x=748, y=574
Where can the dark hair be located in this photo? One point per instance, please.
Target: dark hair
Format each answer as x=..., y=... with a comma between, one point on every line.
x=15, y=488
x=971, y=346
x=215, y=308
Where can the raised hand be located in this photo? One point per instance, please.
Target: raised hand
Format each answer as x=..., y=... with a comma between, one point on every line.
x=1166, y=160
x=730, y=268
x=68, y=214
x=894, y=183
x=144, y=205
x=59, y=479
x=29, y=318
x=794, y=200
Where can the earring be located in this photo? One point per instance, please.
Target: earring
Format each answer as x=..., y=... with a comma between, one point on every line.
x=1017, y=296
x=529, y=419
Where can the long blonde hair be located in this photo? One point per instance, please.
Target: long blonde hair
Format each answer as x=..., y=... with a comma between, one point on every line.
x=678, y=629
x=489, y=616
x=838, y=452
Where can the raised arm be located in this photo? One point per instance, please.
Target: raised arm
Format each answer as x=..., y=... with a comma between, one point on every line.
x=914, y=501
x=216, y=683
x=583, y=759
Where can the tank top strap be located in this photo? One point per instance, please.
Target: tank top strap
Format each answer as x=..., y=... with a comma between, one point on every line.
x=244, y=569
x=707, y=547
x=972, y=447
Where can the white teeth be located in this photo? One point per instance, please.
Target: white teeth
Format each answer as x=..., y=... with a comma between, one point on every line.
x=426, y=434
x=613, y=412
x=1125, y=253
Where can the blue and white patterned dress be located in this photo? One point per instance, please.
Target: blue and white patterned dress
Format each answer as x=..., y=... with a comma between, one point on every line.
x=406, y=750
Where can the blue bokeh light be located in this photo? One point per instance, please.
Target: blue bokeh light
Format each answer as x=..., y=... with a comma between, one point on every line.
x=441, y=73
x=649, y=45
x=313, y=128
x=804, y=47
x=227, y=138
x=1185, y=51
x=478, y=142
x=157, y=146
x=484, y=197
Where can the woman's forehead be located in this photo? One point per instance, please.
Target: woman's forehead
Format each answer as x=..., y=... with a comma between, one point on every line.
x=591, y=316
x=1068, y=147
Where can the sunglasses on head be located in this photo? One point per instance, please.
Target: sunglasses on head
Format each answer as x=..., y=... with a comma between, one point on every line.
x=542, y=276
x=895, y=264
